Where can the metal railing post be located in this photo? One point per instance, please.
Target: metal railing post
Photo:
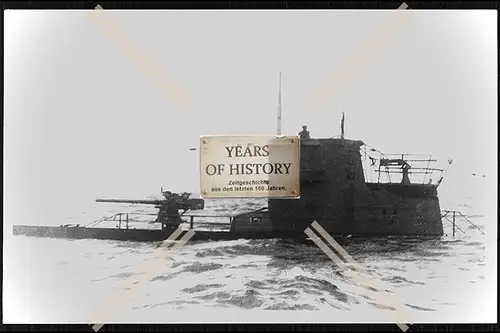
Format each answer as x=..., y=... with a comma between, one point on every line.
x=453, y=223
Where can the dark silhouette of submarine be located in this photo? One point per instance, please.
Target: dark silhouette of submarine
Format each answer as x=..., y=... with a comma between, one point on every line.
x=333, y=192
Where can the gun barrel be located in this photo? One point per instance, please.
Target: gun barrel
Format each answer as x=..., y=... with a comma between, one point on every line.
x=141, y=202
x=193, y=204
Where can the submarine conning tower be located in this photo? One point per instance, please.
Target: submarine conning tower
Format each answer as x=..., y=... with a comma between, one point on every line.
x=334, y=192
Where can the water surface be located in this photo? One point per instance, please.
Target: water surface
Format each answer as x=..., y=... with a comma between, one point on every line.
x=57, y=280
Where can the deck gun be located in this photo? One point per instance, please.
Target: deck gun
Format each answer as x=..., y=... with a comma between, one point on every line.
x=168, y=214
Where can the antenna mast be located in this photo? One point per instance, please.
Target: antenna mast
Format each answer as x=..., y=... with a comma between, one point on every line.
x=278, y=131
x=342, y=126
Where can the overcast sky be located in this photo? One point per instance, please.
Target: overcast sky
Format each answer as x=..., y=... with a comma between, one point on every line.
x=84, y=120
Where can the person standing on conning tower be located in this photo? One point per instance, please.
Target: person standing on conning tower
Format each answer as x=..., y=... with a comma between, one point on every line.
x=304, y=134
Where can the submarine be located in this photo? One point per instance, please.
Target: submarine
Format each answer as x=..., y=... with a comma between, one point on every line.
x=334, y=192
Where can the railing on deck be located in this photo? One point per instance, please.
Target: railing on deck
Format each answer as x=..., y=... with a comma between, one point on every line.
x=126, y=218
x=389, y=168
x=454, y=215
x=394, y=164
x=191, y=220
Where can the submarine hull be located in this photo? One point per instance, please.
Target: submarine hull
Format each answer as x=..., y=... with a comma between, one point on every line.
x=74, y=232
x=141, y=235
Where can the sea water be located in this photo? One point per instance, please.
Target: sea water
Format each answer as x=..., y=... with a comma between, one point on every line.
x=62, y=281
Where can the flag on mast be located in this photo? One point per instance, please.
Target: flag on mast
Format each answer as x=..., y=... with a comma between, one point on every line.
x=342, y=126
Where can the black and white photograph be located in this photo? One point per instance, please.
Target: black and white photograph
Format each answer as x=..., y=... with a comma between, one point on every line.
x=250, y=166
